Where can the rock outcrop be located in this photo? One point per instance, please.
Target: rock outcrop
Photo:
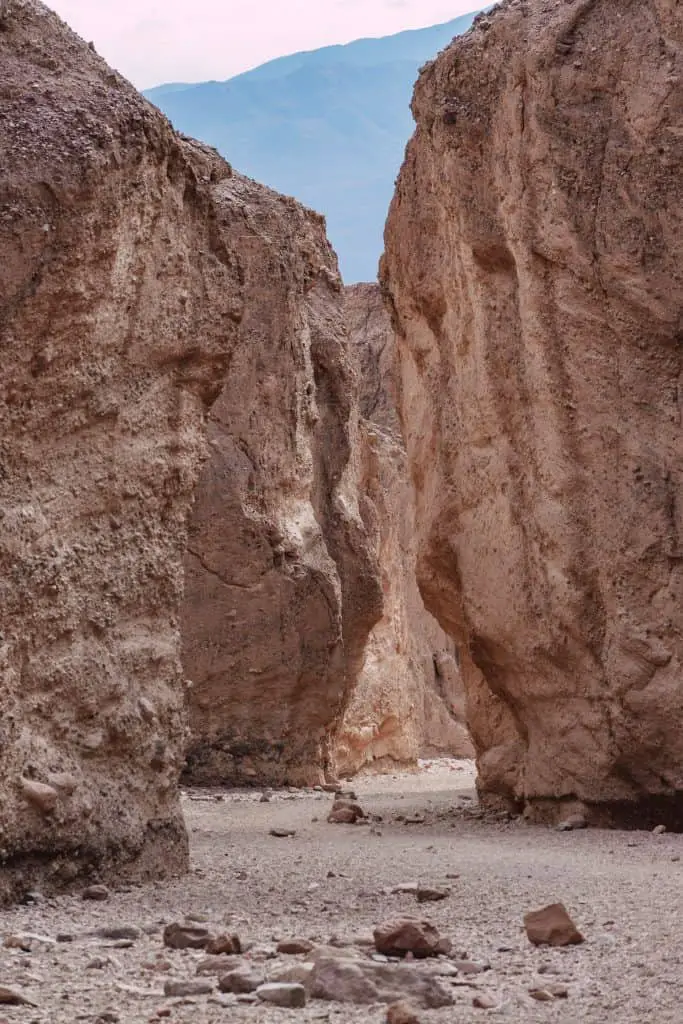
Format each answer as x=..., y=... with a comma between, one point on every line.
x=534, y=260
x=408, y=700
x=127, y=294
x=282, y=583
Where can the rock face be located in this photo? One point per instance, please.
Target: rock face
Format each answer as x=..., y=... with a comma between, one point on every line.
x=282, y=582
x=534, y=256
x=126, y=295
x=408, y=701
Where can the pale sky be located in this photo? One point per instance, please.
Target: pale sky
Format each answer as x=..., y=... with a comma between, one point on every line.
x=155, y=41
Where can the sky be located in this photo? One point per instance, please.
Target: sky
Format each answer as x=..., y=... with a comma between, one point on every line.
x=156, y=41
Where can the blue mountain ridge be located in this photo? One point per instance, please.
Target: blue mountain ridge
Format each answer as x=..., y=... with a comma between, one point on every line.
x=326, y=126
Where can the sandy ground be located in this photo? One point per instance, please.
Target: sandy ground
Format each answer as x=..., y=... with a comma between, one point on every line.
x=624, y=890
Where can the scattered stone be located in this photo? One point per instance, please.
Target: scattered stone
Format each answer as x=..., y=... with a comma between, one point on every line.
x=239, y=981
x=406, y=888
x=299, y=972
x=228, y=944
x=96, y=892
x=345, y=814
x=265, y=798
x=425, y=894
x=541, y=995
x=179, y=936
x=98, y=963
x=282, y=833
x=485, y=1001
x=193, y=987
x=279, y=993
x=64, y=937
x=216, y=964
x=404, y=935
x=345, y=980
x=117, y=933
x=559, y=991
x=402, y=1013
x=13, y=997
x=414, y=819
x=294, y=947
x=659, y=830
x=552, y=926
x=41, y=796
x=470, y=967
x=572, y=823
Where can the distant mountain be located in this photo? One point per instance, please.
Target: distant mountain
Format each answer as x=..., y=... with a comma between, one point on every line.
x=328, y=126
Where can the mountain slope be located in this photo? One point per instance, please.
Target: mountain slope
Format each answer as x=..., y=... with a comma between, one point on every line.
x=328, y=126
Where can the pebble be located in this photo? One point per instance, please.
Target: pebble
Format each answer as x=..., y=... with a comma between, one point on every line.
x=572, y=823
x=282, y=833
x=292, y=996
x=659, y=830
x=229, y=944
x=41, y=796
x=484, y=1001
x=240, y=981
x=541, y=995
x=96, y=892
x=193, y=987
x=294, y=947
x=403, y=935
x=425, y=894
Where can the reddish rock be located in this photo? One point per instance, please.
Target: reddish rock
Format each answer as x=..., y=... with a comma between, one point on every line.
x=408, y=935
x=552, y=926
x=402, y=1012
x=228, y=944
x=294, y=947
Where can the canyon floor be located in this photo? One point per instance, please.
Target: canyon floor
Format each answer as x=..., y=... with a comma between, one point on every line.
x=623, y=889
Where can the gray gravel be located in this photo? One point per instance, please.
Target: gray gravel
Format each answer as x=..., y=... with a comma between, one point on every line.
x=624, y=891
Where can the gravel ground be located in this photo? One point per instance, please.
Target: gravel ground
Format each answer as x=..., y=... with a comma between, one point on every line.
x=623, y=889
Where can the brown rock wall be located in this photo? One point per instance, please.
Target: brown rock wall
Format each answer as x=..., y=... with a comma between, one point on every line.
x=408, y=701
x=282, y=582
x=533, y=259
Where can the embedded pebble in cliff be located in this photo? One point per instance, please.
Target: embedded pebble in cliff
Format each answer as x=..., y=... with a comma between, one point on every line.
x=44, y=797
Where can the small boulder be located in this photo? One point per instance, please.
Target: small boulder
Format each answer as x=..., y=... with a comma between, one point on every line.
x=345, y=812
x=572, y=823
x=294, y=947
x=280, y=993
x=344, y=980
x=402, y=1013
x=485, y=1001
x=181, y=936
x=224, y=944
x=404, y=935
x=552, y=926
x=240, y=981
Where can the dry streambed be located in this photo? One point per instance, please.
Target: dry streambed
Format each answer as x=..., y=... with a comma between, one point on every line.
x=323, y=914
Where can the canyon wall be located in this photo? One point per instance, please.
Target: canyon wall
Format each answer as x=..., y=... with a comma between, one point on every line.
x=128, y=296
x=534, y=263
x=282, y=580
x=408, y=701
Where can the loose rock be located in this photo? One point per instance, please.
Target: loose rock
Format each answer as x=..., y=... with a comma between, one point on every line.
x=278, y=993
x=179, y=936
x=41, y=796
x=552, y=926
x=346, y=980
x=228, y=944
x=13, y=997
x=425, y=894
x=96, y=892
x=193, y=987
x=294, y=947
x=408, y=935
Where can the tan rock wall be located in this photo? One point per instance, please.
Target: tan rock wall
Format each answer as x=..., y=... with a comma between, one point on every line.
x=408, y=701
x=282, y=582
x=533, y=257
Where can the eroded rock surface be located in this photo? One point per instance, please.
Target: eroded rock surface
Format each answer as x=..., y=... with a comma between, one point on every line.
x=534, y=255
x=282, y=581
x=126, y=294
x=408, y=701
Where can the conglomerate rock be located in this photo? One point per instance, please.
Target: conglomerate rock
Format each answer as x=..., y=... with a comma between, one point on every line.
x=127, y=294
x=282, y=581
x=408, y=700
x=534, y=260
